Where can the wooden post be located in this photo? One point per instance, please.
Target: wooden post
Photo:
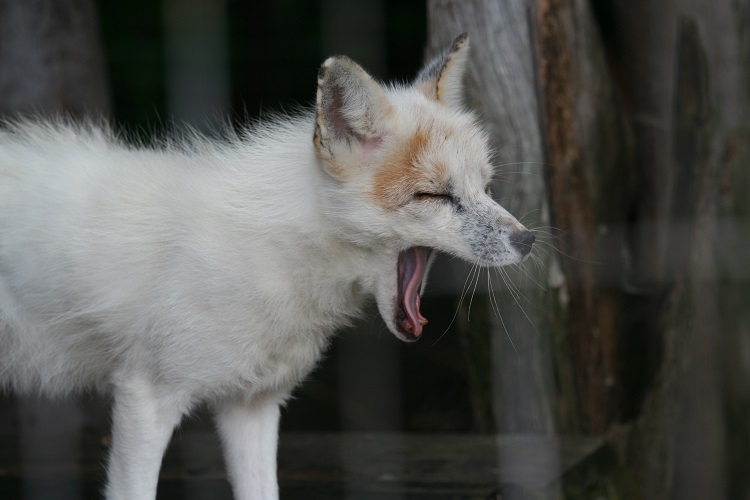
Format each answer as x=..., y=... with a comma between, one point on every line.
x=539, y=78
x=501, y=87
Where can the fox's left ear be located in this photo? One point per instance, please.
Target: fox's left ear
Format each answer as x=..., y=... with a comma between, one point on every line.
x=442, y=78
x=351, y=116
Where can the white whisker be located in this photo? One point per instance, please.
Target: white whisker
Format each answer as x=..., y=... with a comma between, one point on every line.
x=464, y=291
x=496, y=307
x=471, y=300
x=516, y=294
x=526, y=273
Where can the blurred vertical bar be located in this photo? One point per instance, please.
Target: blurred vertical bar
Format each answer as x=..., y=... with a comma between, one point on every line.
x=197, y=63
x=196, y=57
x=369, y=360
x=51, y=63
x=501, y=86
x=50, y=447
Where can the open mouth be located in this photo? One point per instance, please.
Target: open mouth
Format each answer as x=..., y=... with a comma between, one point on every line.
x=412, y=268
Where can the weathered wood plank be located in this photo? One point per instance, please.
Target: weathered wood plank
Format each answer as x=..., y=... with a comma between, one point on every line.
x=386, y=463
x=501, y=87
x=686, y=70
x=588, y=173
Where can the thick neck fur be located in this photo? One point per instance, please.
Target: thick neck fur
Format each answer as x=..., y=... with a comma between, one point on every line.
x=279, y=175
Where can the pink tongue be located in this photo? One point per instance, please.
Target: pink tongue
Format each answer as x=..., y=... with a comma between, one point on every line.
x=413, y=262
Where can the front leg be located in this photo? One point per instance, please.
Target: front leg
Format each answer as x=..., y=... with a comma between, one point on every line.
x=249, y=432
x=143, y=418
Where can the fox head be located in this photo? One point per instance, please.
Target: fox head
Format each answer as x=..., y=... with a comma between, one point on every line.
x=410, y=173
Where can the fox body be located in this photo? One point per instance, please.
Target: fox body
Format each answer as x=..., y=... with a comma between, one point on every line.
x=217, y=272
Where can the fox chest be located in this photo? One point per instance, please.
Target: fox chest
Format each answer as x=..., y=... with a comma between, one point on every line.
x=281, y=356
x=272, y=343
x=283, y=365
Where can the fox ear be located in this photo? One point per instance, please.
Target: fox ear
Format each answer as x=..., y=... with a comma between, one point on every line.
x=350, y=115
x=442, y=78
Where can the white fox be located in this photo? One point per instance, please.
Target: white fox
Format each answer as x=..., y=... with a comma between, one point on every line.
x=217, y=272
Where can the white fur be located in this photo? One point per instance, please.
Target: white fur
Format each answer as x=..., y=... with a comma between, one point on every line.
x=214, y=272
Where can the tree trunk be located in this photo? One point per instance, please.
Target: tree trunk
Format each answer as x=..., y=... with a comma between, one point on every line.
x=588, y=175
x=665, y=185
x=540, y=80
x=501, y=87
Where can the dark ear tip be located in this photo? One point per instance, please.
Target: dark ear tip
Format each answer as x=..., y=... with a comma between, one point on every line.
x=460, y=41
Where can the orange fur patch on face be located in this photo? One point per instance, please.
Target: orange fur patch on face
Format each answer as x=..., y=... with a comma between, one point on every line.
x=401, y=175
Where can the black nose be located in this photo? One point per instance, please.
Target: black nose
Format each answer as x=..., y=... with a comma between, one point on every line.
x=522, y=241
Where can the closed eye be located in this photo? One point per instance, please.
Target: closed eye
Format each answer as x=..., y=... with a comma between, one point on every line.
x=435, y=196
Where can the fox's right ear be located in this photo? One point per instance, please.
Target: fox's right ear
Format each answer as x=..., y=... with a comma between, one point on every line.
x=442, y=78
x=351, y=115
